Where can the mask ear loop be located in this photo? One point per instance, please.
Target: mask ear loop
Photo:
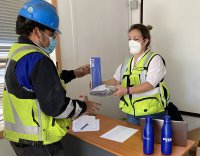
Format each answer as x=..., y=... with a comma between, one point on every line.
x=36, y=32
x=43, y=46
x=41, y=41
x=149, y=47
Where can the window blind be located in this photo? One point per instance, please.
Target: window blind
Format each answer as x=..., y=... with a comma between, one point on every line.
x=8, y=14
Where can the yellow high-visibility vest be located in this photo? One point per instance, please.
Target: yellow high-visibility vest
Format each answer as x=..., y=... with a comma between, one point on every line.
x=22, y=114
x=147, y=103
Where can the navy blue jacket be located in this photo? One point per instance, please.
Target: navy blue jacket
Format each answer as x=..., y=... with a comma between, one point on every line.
x=37, y=72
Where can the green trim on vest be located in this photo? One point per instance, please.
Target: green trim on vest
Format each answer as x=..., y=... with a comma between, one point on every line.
x=141, y=104
x=23, y=117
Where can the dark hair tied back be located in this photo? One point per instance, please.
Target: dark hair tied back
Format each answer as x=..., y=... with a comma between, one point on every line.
x=149, y=27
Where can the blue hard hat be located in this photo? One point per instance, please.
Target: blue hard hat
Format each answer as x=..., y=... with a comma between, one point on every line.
x=41, y=12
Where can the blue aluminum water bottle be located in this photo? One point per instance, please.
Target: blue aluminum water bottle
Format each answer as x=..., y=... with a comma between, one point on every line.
x=95, y=67
x=148, y=137
x=166, y=136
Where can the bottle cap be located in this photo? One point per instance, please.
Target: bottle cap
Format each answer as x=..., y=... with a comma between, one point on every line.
x=148, y=119
x=167, y=118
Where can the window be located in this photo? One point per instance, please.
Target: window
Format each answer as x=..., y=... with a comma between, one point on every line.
x=8, y=14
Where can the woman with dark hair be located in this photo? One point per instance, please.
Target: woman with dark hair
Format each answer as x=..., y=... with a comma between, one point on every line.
x=139, y=79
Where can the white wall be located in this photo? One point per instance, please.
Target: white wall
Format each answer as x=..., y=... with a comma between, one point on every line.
x=85, y=34
x=175, y=36
x=94, y=28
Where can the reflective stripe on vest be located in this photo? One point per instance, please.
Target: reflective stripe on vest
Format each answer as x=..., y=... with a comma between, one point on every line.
x=124, y=67
x=19, y=122
x=144, y=103
x=144, y=72
x=18, y=126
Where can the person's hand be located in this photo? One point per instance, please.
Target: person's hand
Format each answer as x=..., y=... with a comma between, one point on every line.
x=92, y=107
x=120, y=91
x=82, y=71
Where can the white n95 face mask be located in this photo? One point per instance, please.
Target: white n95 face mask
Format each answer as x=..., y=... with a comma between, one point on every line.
x=135, y=47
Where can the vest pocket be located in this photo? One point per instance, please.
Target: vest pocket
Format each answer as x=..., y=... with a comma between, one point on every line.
x=164, y=94
x=125, y=106
x=56, y=131
x=147, y=106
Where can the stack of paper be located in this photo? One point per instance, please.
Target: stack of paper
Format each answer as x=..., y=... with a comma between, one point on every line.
x=85, y=123
x=103, y=90
x=119, y=133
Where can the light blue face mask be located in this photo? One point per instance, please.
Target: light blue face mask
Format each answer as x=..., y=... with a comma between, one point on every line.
x=52, y=44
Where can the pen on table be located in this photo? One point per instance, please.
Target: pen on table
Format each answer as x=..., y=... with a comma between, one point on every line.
x=84, y=126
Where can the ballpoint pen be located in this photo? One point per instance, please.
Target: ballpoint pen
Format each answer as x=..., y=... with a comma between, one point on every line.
x=84, y=126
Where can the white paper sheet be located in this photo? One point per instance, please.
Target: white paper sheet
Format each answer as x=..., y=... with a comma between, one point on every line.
x=86, y=123
x=119, y=133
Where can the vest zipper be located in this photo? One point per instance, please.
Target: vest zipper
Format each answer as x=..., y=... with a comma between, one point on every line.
x=33, y=116
x=39, y=121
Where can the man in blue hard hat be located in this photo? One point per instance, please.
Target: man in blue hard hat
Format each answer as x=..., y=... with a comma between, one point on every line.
x=36, y=109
